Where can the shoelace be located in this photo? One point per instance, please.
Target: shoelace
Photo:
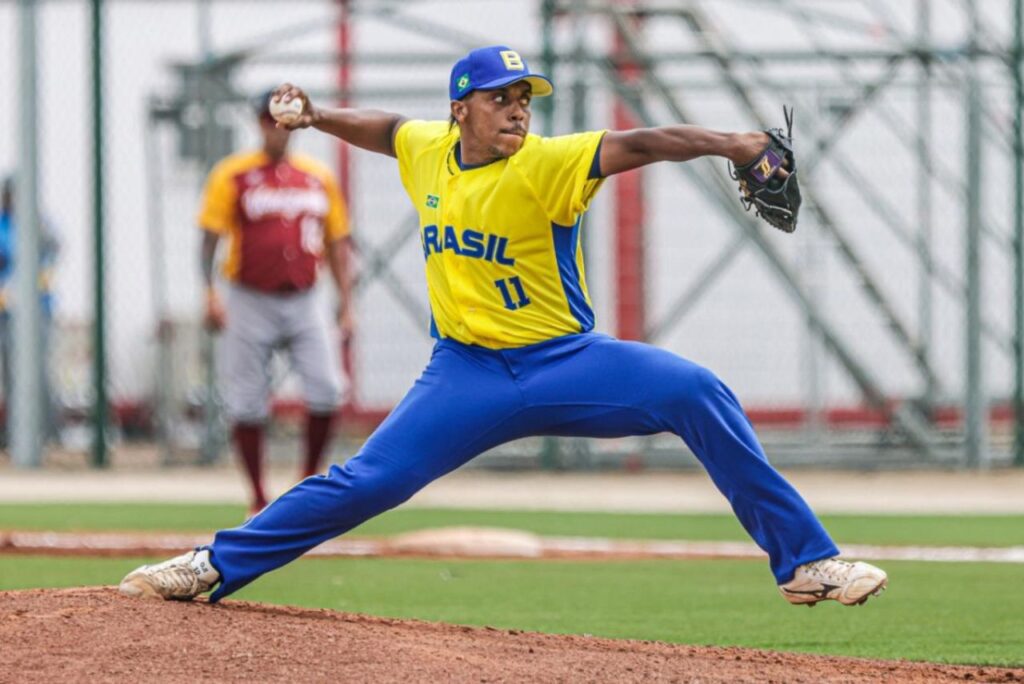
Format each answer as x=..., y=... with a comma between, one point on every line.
x=831, y=568
x=178, y=579
x=175, y=574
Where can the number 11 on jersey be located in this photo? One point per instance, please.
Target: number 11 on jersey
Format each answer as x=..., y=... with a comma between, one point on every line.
x=516, y=290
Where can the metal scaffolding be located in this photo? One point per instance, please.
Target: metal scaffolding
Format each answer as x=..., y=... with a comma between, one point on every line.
x=959, y=64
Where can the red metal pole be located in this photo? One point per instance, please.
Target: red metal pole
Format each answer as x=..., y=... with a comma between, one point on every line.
x=345, y=183
x=344, y=83
x=345, y=177
x=630, y=303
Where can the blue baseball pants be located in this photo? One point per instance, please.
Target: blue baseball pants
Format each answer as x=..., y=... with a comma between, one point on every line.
x=470, y=399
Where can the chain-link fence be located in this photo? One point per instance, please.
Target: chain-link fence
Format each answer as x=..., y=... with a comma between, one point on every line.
x=847, y=342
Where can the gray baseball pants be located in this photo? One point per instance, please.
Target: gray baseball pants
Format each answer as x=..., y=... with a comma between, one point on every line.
x=258, y=323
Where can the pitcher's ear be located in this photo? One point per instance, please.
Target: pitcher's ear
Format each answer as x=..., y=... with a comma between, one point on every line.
x=459, y=110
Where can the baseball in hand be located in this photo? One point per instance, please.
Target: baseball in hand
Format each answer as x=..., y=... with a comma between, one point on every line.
x=285, y=112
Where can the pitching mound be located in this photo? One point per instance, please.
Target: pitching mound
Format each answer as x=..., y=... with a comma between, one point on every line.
x=95, y=634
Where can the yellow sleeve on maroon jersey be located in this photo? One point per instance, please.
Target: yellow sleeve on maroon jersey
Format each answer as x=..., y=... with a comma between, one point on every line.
x=336, y=225
x=220, y=196
x=558, y=171
x=336, y=221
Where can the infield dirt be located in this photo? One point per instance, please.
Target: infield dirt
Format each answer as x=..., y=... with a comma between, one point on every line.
x=95, y=634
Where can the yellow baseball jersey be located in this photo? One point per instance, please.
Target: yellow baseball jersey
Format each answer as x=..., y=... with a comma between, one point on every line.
x=278, y=218
x=501, y=240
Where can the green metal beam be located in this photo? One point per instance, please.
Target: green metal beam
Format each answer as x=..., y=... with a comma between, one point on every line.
x=99, y=337
x=546, y=105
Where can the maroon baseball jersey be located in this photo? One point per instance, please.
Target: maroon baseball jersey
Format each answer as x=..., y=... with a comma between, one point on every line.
x=278, y=218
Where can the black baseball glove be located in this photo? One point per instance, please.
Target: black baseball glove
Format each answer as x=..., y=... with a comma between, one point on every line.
x=775, y=199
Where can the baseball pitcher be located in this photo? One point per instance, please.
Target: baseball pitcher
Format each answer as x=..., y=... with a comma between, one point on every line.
x=501, y=212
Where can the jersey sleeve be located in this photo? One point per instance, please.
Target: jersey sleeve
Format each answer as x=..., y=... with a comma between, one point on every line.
x=414, y=137
x=559, y=171
x=217, y=213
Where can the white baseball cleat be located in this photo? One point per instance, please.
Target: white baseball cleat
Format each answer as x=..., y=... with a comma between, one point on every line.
x=180, y=579
x=833, y=579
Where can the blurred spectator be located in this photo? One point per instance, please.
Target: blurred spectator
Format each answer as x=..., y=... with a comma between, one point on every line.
x=48, y=249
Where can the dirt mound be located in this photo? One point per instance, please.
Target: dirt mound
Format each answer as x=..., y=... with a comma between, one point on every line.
x=94, y=634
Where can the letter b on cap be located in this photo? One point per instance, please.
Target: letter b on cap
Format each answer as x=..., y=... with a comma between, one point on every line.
x=512, y=60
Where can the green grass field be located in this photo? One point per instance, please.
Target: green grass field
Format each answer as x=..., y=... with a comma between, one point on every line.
x=943, y=612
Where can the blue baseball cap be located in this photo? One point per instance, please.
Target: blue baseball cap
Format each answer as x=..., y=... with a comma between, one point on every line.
x=493, y=67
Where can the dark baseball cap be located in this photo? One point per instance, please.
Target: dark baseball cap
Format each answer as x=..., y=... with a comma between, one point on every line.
x=261, y=103
x=493, y=67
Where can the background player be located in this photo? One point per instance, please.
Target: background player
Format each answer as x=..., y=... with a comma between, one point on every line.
x=49, y=248
x=281, y=213
x=500, y=213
